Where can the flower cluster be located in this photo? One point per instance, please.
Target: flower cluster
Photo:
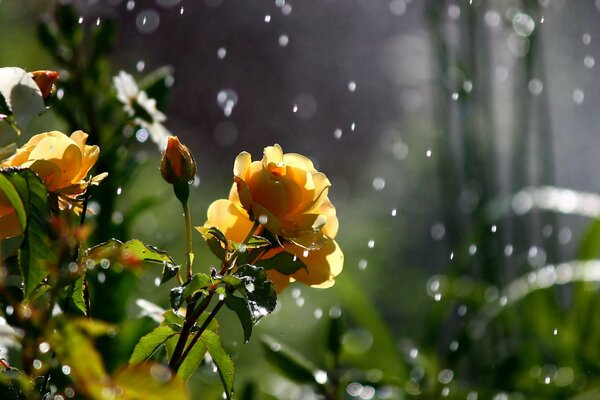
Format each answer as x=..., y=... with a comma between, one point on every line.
x=289, y=198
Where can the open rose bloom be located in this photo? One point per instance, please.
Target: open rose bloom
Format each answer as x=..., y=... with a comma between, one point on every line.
x=288, y=196
x=62, y=163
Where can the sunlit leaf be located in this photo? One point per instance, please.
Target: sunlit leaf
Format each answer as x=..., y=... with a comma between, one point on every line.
x=168, y=272
x=259, y=291
x=151, y=343
x=35, y=251
x=283, y=262
x=198, y=283
x=291, y=363
x=192, y=360
x=216, y=241
x=149, y=381
x=14, y=199
x=130, y=255
x=241, y=309
x=220, y=358
x=77, y=294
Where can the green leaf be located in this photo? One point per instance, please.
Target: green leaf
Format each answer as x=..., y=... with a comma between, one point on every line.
x=283, y=262
x=77, y=294
x=168, y=272
x=216, y=241
x=213, y=343
x=35, y=252
x=175, y=320
x=192, y=360
x=14, y=199
x=198, y=283
x=149, y=381
x=47, y=37
x=130, y=255
x=242, y=310
x=256, y=242
x=259, y=291
x=149, y=344
x=291, y=363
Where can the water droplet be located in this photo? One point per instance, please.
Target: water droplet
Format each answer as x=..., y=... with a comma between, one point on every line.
x=37, y=364
x=98, y=21
x=44, y=347
x=438, y=231
x=9, y=310
x=267, y=18
x=378, y=183
x=263, y=219
x=337, y=133
x=555, y=332
x=157, y=281
x=142, y=135
x=353, y=126
x=394, y=212
x=565, y=235
x=535, y=87
x=147, y=21
x=371, y=243
x=398, y=7
x=227, y=99
x=523, y=24
x=286, y=9
x=335, y=312
x=453, y=11
x=119, y=190
x=283, y=40
x=472, y=249
x=428, y=153
x=413, y=353
x=589, y=61
x=318, y=313
x=508, y=250
x=445, y=376
x=493, y=228
x=104, y=263
x=586, y=39
x=492, y=18
x=451, y=255
x=101, y=277
x=66, y=369
x=181, y=10
x=362, y=264
x=130, y=5
x=242, y=248
x=352, y=86
x=221, y=53
x=321, y=377
x=454, y=96
x=578, y=96
x=80, y=20
x=300, y=301
x=140, y=66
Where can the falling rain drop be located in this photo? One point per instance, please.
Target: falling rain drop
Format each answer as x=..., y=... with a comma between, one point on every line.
x=352, y=86
x=147, y=21
x=378, y=183
x=371, y=243
x=454, y=96
x=586, y=39
x=318, y=313
x=130, y=5
x=227, y=99
x=493, y=228
x=428, y=153
x=589, y=61
x=80, y=20
x=337, y=133
x=221, y=53
x=578, y=96
x=283, y=40
x=295, y=108
x=119, y=190
x=267, y=18
x=142, y=135
x=140, y=65
x=472, y=249
x=362, y=264
x=394, y=212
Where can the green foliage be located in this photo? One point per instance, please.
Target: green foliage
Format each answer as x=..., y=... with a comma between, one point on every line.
x=29, y=197
x=129, y=255
x=214, y=345
x=283, y=262
x=288, y=361
x=151, y=343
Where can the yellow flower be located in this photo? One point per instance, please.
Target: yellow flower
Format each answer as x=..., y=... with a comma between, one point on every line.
x=322, y=265
x=287, y=195
x=61, y=162
x=9, y=223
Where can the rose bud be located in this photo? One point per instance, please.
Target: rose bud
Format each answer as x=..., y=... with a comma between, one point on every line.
x=177, y=165
x=45, y=80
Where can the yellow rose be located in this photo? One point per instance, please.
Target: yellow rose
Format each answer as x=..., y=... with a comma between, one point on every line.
x=9, y=223
x=61, y=162
x=322, y=265
x=287, y=195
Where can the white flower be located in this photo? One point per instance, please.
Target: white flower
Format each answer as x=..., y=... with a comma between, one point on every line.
x=138, y=105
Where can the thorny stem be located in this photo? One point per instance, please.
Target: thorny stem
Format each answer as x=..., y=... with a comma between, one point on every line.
x=199, y=332
x=192, y=315
x=188, y=237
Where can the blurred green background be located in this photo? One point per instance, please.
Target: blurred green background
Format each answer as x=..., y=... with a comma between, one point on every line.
x=461, y=138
